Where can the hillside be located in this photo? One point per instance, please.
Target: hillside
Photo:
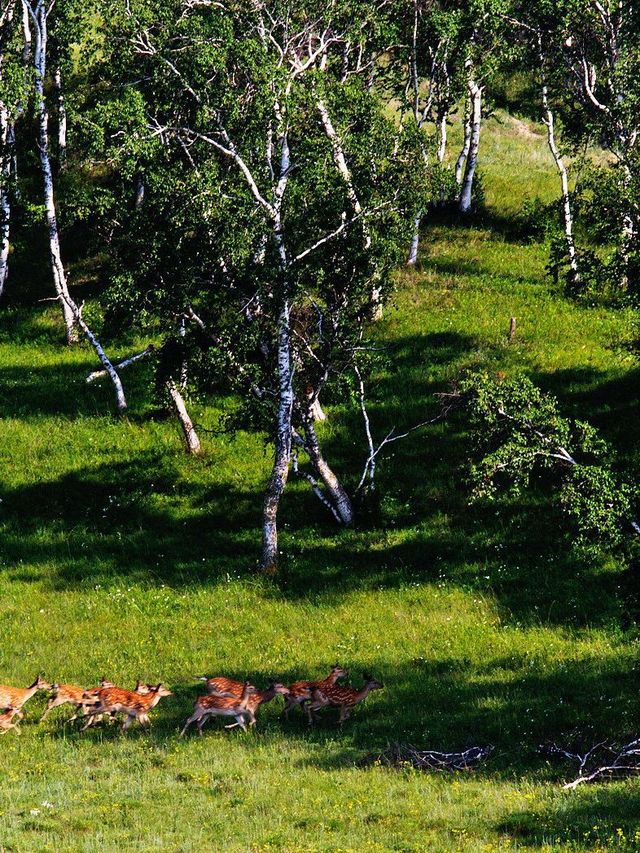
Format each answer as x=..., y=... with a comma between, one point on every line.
x=122, y=558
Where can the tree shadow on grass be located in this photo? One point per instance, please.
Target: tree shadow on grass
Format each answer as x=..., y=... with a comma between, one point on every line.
x=146, y=519
x=601, y=817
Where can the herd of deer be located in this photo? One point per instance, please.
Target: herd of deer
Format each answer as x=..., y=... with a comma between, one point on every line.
x=224, y=698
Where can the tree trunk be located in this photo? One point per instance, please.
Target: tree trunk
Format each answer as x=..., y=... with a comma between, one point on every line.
x=190, y=436
x=442, y=135
x=317, y=412
x=548, y=119
x=62, y=119
x=475, y=95
x=5, y=198
x=76, y=313
x=466, y=144
x=415, y=241
x=39, y=19
x=341, y=165
x=339, y=498
x=282, y=458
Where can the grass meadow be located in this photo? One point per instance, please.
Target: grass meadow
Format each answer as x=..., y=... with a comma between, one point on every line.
x=121, y=557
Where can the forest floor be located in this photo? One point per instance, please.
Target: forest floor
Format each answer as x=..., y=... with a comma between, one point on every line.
x=121, y=558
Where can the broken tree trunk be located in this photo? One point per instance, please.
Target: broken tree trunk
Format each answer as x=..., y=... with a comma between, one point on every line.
x=339, y=499
x=190, y=435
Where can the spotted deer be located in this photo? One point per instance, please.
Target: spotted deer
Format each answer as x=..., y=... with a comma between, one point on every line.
x=214, y=705
x=344, y=698
x=6, y=721
x=260, y=697
x=301, y=692
x=15, y=697
x=81, y=699
x=222, y=686
x=140, y=710
x=135, y=705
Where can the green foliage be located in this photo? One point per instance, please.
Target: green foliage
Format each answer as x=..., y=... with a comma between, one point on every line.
x=521, y=439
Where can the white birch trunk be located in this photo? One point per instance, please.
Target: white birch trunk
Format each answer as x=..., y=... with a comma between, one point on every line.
x=5, y=198
x=466, y=143
x=109, y=369
x=415, y=241
x=628, y=233
x=62, y=119
x=39, y=19
x=339, y=499
x=475, y=96
x=317, y=412
x=341, y=164
x=6, y=139
x=190, y=435
x=442, y=136
x=282, y=456
x=548, y=119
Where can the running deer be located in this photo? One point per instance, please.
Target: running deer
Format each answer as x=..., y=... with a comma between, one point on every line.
x=140, y=710
x=221, y=686
x=136, y=705
x=15, y=697
x=344, y=698
x=275, y=688
x=215, y=705
x=81, y=699
x=301, y=692
x=6, y=721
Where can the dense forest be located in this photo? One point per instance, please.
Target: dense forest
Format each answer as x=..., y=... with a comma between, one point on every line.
x=319, y=354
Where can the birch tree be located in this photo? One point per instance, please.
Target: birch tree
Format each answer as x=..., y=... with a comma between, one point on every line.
x=432, y=81
x=10, y=91
x=486, y=49
x=272, y=165
x=600, y=46
x=38, y=12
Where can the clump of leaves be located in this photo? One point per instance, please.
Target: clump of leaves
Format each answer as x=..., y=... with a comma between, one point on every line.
x=520, y=439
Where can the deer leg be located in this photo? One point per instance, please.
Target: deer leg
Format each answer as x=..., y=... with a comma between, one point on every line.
x=93, y=718
x=191, y=720
x=51, y=704
x=129, y=720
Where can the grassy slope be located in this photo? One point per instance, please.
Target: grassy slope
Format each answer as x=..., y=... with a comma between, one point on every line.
x=122, y=558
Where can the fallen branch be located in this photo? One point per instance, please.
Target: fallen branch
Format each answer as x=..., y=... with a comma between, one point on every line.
x=405, y=755
x=98, y=374
x=604, y=760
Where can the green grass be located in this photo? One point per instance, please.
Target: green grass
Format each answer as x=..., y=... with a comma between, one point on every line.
x=122, y=558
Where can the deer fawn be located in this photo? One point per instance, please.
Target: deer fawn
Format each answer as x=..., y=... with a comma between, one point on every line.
x=69, y=694
x=136, y=705
x=6, y=721
x=222, y=706
x=301, y=692
x=222, y=686
x=343, y=697
x=140, y=710
x=15, y=697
